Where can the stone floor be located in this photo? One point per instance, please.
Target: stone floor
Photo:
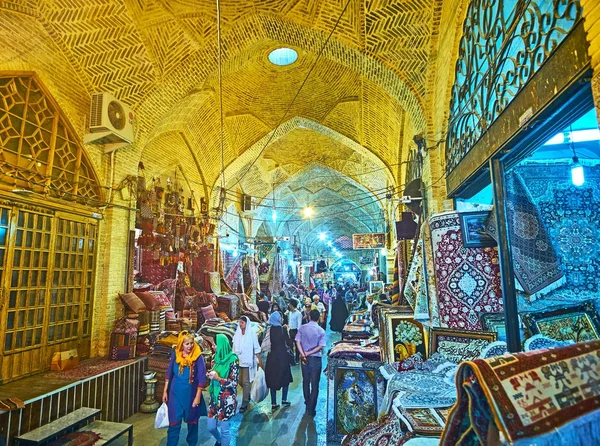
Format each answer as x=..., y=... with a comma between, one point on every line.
x=258, y=426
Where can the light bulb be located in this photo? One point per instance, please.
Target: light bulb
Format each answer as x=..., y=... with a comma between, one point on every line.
x=308, y=212
x=577, y=176
x=274, y=215
x=322, y=236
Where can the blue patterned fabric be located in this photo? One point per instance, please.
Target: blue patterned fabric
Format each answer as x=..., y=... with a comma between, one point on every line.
x=572, y=215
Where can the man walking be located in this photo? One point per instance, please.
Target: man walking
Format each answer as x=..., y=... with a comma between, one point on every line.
x=310, y=341
x=295, y=322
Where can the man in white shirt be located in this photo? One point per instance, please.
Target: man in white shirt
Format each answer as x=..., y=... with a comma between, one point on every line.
x=294, y=322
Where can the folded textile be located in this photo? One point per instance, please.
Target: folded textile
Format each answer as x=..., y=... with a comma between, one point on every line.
x=546, y=397
x=416, y=389
x=386, y=431
x=351, y=350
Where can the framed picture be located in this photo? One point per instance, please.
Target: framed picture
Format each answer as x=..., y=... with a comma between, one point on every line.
x=355, y=391
x=402, y=336
x=472, y=227
x=424, y=421
x=579, y=324
x=460, y=345
x=376, y=287
x=495, y=322
x=375, y=240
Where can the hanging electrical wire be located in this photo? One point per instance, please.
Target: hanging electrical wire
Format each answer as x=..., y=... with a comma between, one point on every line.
x=221, y=119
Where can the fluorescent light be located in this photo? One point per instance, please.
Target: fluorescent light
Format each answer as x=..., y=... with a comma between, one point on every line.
x=585, y=135
x=556, y=139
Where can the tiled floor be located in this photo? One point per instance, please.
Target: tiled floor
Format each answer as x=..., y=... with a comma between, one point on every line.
x=257, y=426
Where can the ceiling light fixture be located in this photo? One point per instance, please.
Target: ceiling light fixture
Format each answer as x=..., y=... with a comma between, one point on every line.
x=322, y=236
x=308, y=212
x=283, y=56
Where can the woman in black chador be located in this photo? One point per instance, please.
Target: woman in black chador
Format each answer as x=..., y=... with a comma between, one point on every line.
x=339, y=313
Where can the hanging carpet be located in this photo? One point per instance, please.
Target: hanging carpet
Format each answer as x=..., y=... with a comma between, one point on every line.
x=468, y=279
x=535, y=262
x=545, y=397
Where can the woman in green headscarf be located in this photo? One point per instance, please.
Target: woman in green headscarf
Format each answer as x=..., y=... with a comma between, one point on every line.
x=223, y=390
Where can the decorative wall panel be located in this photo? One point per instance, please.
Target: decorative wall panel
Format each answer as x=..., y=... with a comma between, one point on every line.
x=504, y=44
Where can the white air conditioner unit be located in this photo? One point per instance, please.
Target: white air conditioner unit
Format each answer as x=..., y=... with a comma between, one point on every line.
x=111, y=121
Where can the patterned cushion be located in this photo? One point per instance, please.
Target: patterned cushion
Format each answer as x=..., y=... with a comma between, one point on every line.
x=151, y=302
x=208, y=312
x=132, y=302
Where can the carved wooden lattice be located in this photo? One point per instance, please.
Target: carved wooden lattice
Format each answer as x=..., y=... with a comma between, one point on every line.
x=38, y=147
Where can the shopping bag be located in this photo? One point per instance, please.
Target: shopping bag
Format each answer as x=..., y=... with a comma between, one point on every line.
x=162, y=417
x=67, y=360
x=259, y=391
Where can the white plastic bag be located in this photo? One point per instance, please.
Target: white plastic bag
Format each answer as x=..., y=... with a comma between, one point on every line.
x=162, y=417
x=259, y=390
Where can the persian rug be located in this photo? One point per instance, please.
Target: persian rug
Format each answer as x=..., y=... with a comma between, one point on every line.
x=543, y=397
x=88, y=368
x=468, y=279
x=84, y=438
x=386, y=432
x=415, y=290
x=535, y=262
x=355, y=351
x=572, y=216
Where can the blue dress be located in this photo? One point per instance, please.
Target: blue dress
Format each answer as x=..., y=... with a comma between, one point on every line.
x=182, y=392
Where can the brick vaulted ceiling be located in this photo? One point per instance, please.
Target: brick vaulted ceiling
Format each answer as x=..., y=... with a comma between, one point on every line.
x=363, y=101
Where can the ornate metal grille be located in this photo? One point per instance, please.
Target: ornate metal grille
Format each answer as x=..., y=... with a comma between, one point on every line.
x=38, y=148
x=504, y=43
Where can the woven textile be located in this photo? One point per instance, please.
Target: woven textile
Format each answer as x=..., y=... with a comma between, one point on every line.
x=572, y=216
x=415, y=291
x=384, y=432
x=529, y=396
x=468, y=279
x=535, y=261
x=88, y=368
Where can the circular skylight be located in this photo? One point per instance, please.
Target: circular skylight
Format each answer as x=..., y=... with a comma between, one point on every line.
x=283, y=56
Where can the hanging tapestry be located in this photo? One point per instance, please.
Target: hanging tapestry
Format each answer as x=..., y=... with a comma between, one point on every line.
x=535, y=262
x=416, y=286
x=232, y=279
x=529, y=398
x=468, y=279
x=354, y=392
x=572, y=216
x=215, y=282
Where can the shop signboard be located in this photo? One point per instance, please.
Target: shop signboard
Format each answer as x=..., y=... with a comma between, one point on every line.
x=375, y=240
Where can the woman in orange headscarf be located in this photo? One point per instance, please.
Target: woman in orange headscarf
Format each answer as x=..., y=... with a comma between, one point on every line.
x=185, y=379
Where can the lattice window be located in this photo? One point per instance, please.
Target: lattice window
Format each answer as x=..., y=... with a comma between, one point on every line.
x=38, y=147
x=51, y=278
x=505, y=42
x=28, y=281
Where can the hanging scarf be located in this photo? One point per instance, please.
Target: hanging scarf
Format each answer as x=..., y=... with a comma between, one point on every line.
x=275, y=319
x=189, y=360
x=224, y=357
